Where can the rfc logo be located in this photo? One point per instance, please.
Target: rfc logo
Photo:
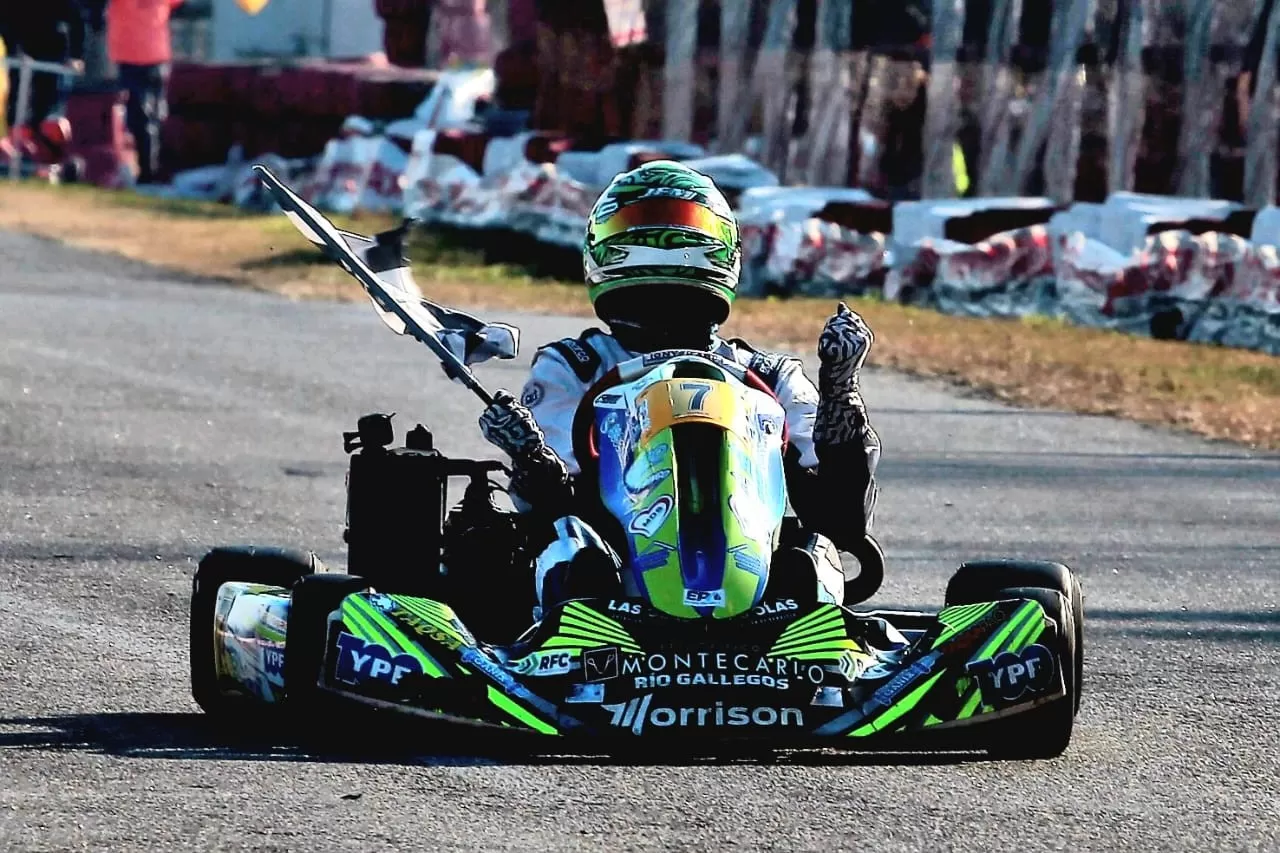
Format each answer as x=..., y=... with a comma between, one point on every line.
x=1008, y=677
x=545, y=663
x=360, y=662
x=600, y=664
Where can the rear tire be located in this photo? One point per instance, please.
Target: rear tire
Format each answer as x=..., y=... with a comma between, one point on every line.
x=307, y=637
x=981, y=580
x=243, y=564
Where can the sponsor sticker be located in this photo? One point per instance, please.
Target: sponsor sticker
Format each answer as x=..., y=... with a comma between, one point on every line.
x=578, y=351
x=545, y=663
x=631, y=607
x=640, y=713
x=719, y=669
x=425, y=628
x=600, y=664
x=1009, y=676
x=704, y=597
x=773, y=608
x=889, y=691
x=648, y=521
x=642, y=417
x=670, y=192
x=360, y=662
x=273, y=660
x=769, y=424
x=481, y=661
x=745, y=558
x=656, y=556
x=533, y=394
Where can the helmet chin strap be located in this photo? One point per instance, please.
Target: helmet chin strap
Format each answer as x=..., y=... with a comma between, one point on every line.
x=643, y=337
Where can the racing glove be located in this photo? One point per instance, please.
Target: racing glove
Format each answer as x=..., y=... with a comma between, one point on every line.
x=848, y=449
x=842, y=350
x=538, y=476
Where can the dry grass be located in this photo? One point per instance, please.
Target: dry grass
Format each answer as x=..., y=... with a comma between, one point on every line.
x=1217, y=392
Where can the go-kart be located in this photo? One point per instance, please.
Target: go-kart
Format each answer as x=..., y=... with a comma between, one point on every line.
x=721, y=619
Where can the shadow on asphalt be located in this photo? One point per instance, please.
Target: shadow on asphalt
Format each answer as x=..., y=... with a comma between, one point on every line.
x=194, y=736
x=1212, y=626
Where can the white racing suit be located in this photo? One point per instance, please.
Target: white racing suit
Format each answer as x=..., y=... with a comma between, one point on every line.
x=835, y=499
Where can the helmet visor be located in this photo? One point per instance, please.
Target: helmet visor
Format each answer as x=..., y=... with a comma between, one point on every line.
x=660, y=213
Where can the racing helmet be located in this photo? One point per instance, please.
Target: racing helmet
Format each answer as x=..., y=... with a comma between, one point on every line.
x=661, y=257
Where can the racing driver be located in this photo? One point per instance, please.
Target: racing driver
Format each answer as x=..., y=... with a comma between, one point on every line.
x=662, y=260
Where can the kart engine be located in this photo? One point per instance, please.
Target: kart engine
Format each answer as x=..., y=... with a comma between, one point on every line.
x=403, y=536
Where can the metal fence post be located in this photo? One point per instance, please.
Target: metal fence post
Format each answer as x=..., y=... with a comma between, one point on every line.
x=1260, y=156
x=678, y=82
x=1126, y=98
x=997, y=90
x=1201, y=102
x=942, y=107
x=23, y=104
x=826, y=143
x=735, y=85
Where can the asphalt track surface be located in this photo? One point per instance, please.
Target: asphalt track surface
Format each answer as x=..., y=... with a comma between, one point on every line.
x=143, y=420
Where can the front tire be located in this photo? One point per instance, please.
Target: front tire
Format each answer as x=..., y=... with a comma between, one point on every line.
x=1044, y=731
x=242, y=564
x=980, y=580
x=307, y=637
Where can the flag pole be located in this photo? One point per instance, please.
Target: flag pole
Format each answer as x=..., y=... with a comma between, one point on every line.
x=320, y=230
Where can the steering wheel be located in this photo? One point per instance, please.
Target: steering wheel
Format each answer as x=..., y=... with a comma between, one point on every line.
x=585, y=449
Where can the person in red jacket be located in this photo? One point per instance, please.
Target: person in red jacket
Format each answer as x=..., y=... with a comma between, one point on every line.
x=138, y=42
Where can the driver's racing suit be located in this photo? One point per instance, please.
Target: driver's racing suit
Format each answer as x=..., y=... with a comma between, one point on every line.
x=836, y=498
x=564, y=370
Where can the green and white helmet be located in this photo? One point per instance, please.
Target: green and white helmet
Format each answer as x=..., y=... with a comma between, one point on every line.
x=661, y=225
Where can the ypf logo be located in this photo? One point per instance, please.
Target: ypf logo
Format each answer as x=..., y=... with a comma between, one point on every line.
x=359, y=661
x=273, y=661
x=1009, y=676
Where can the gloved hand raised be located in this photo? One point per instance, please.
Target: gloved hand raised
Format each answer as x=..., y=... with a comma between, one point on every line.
x=538, y=475
x=841, y=418
x=842, y=350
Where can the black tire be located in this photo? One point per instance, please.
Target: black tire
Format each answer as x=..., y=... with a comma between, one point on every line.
x=1044, y=731
x=870, y=575
x=306, y=636
x=980, y=580
x=246, y=564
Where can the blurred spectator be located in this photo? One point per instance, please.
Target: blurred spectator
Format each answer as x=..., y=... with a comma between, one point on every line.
x=138, y=42
x=903, y=160
x=48, y=31
x=1247, y=82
